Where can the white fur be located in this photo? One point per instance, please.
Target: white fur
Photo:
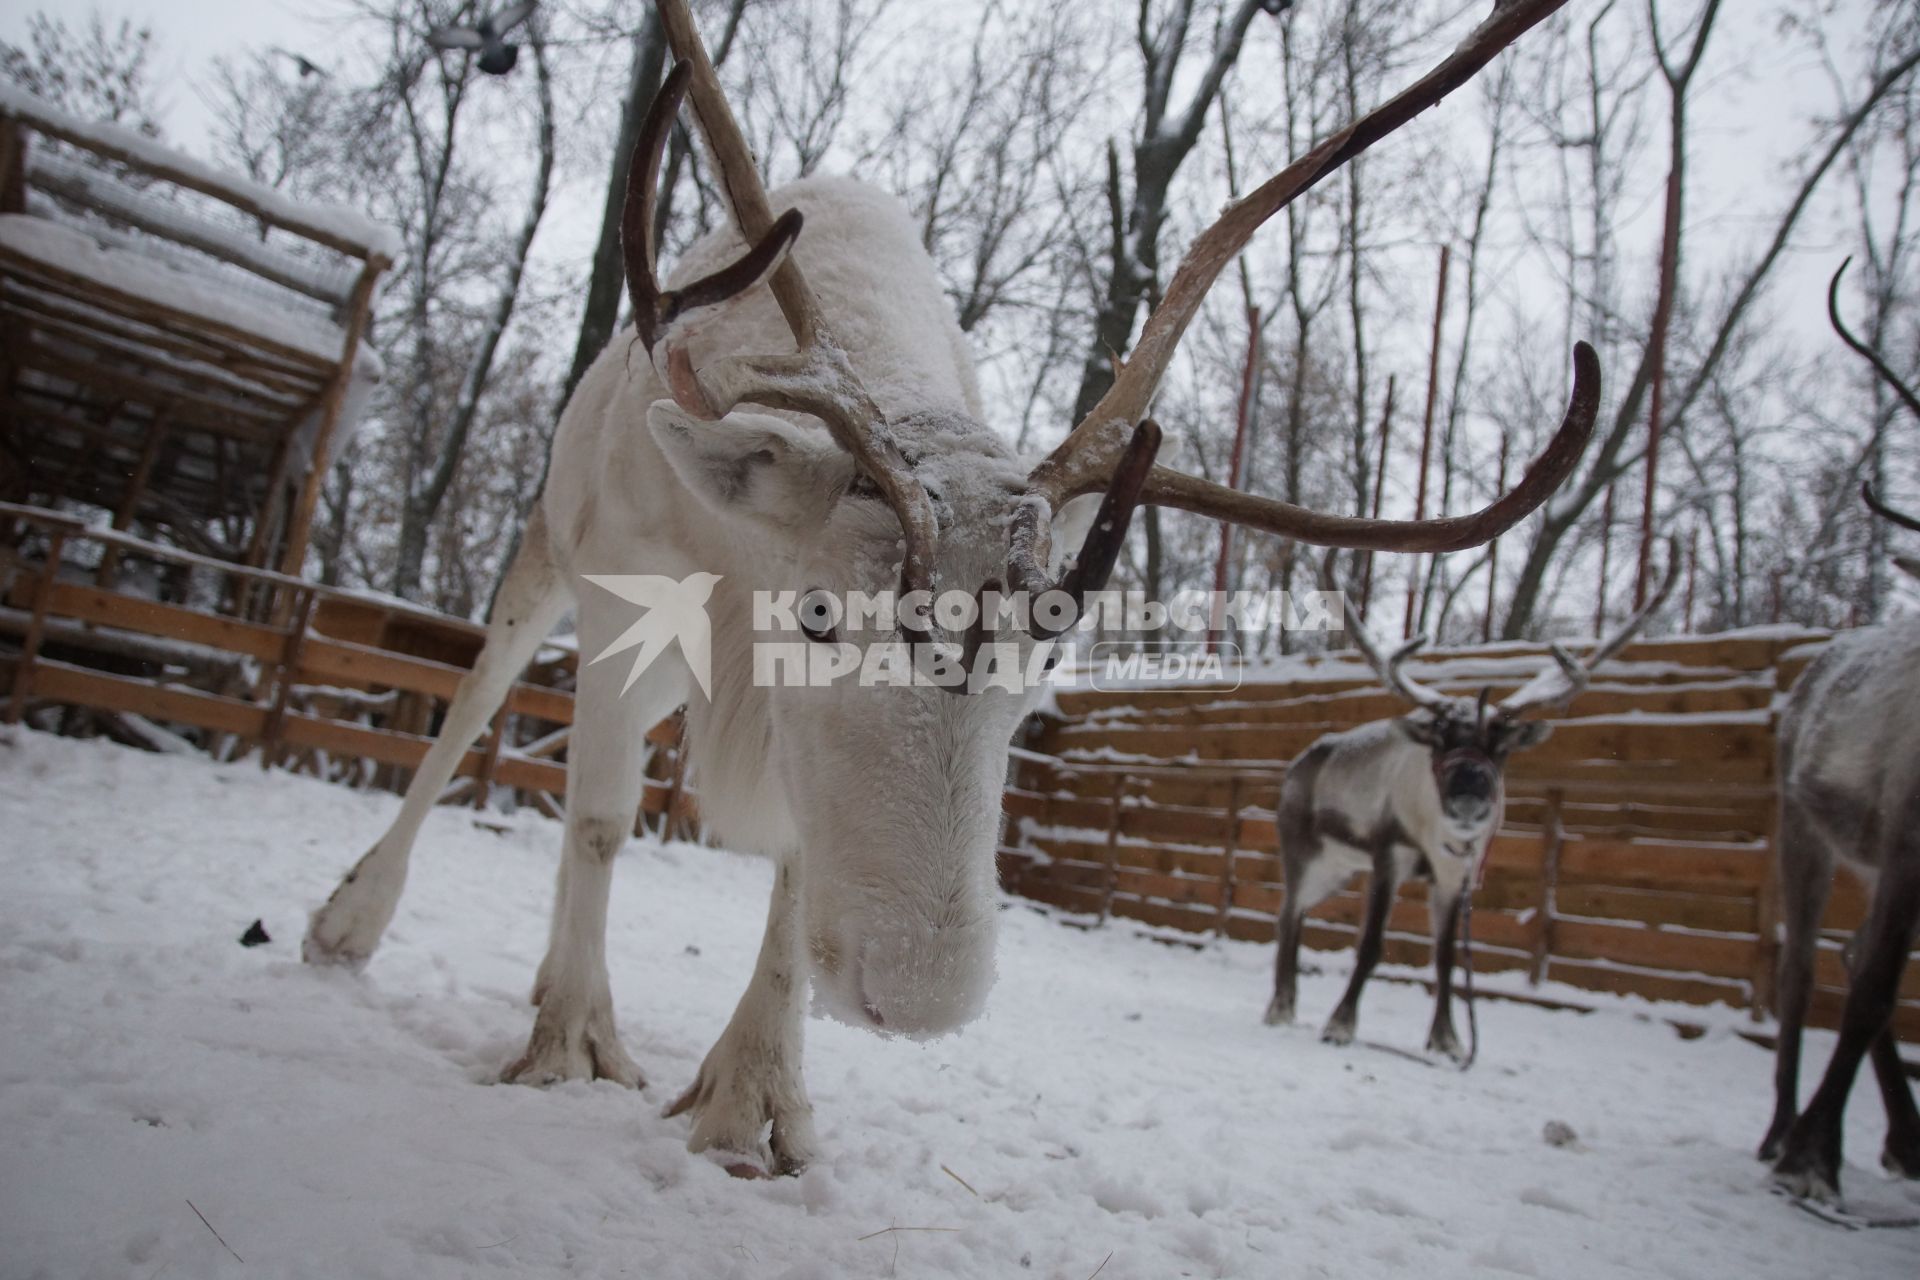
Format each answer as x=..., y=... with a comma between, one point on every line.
x=881, y=803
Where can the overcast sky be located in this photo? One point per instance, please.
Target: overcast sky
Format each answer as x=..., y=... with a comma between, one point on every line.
x=1751, y=107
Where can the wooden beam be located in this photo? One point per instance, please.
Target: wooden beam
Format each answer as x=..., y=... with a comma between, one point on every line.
x=1110, y=880
x=278, y=398
x=191, y=409
x=86, y=288
x=36, y=628
x=13, y=167
x=1227, y=884
x=283, y=678
x=56, y=124
x=96, y=190
x=300, y=521
x=29, y=299
x=78, y=686
x=490, y=759
x=135, y=487
x=1543, y=906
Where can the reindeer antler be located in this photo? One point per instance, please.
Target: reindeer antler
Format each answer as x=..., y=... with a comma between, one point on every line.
x=816, y=379
x=1888, y=376
x=1093, y=452
x=1387, y=666
x=1558, y=685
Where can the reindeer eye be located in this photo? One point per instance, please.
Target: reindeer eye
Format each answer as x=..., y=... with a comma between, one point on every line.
x=818, y=612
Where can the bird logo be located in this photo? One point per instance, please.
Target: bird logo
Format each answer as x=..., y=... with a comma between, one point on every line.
x=489, y=36
x=675, y=610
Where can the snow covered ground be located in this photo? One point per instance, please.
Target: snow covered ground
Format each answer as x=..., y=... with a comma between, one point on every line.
x=1120, y=1109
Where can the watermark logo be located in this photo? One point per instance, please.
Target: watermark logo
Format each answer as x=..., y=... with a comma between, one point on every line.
x=675, y=610
x=1130, y=664
x=1109, y=639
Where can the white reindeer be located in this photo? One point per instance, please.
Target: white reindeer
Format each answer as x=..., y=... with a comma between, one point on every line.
x=880, y=805
x=1417, y=797
x=1849, y=779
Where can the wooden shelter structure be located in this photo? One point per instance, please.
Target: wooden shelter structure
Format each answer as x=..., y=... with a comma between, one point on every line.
x=181, y=349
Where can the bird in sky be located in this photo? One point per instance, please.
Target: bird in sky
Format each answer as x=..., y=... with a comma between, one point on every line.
x=308, y=67
x=675, y=610
x=489, y=36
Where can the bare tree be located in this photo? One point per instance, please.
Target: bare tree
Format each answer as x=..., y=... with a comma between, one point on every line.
x=102, y=71
x=1611, y=456
x=1167, y=133
x=428, y=94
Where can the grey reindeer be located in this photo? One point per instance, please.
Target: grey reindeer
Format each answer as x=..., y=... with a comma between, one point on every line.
x=1849, y=778
x=1415, y=797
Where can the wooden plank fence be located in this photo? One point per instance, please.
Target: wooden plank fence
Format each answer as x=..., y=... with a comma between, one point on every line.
x=297, y=696
x=1635, y=857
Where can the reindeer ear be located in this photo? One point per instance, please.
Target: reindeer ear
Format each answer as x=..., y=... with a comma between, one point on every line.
x=751, y=466
x=1420, y=727
x=1526, y=733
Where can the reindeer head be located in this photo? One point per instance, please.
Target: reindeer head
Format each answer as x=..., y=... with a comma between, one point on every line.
x=895, y=791
x=1469, y=740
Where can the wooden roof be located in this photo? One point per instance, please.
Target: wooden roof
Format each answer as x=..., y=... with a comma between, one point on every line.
x=177, y=346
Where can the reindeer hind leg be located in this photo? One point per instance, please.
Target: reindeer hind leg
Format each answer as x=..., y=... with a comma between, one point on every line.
x=1809, y=1163
x=1806, y=879
x=1901, y=1154
x=1381, y=887
x=1286, y=961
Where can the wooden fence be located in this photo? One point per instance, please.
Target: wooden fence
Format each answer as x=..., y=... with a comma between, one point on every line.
x=295, y=691
x=1635, y=856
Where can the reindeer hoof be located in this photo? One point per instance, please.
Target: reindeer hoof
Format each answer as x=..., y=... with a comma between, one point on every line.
x=579, y=1047
x=1339, y=1031
x=750, y=1113
x=1775, y=1139
x=1279, y=1014
x=1901, y=1159
x=347, y=928
x=1444, y=1041
x=319, y=950
x=1807, y=1174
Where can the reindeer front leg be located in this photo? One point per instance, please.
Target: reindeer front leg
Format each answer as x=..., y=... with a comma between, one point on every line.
x=1445, y=903
x=749, y=1099
x=573, y=1034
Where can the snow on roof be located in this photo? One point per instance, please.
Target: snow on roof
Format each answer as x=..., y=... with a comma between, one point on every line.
x=326, y=222
x=142, y=276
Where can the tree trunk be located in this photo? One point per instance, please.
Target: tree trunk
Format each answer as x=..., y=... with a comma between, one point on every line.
x=422, y=502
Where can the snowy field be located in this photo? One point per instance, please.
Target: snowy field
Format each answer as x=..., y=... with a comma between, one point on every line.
x=1120, y=1110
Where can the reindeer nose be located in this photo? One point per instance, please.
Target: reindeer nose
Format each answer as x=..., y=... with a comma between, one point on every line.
x=1470, y=780
x=925, y=982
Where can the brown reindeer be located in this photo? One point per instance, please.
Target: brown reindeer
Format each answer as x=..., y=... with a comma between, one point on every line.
x=1415, y=797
